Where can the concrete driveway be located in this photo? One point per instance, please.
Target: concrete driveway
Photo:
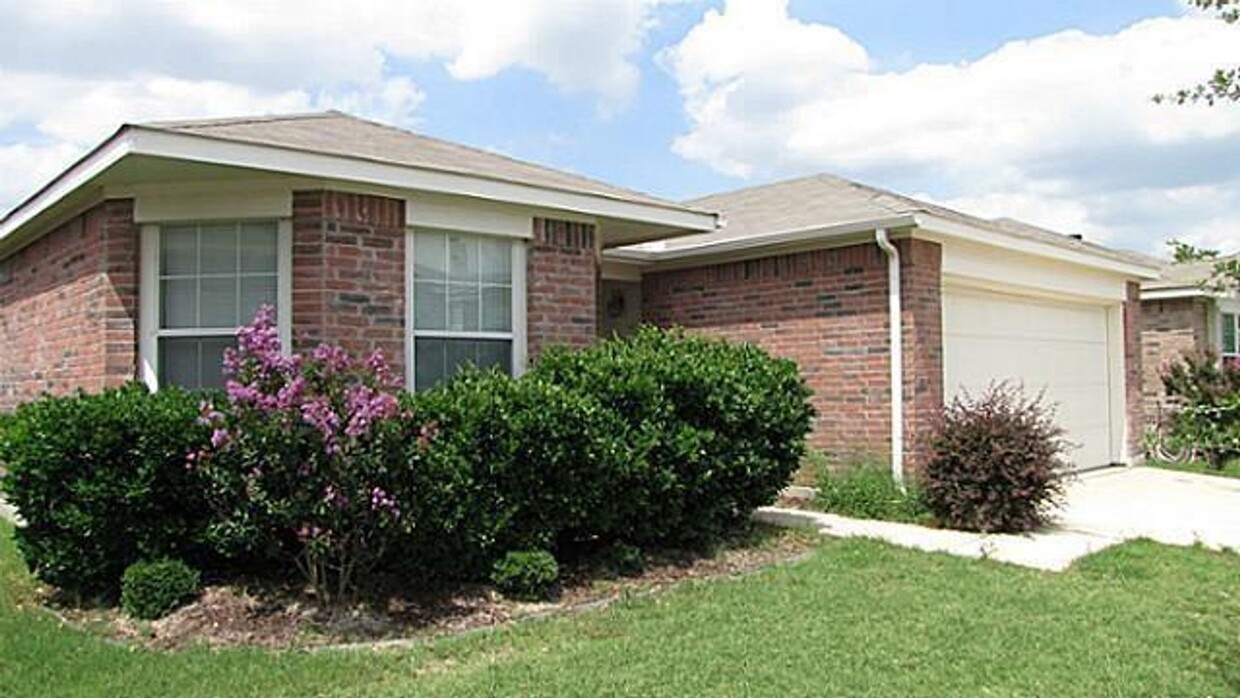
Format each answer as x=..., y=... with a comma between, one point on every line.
x=1163, y=505
x=1103, y=508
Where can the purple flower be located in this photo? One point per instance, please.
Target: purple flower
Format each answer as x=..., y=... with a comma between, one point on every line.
x=219, y=438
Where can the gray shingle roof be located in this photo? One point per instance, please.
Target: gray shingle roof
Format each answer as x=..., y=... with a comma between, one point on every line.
x=826, y=200
x=1186, y=275
x=336, y=133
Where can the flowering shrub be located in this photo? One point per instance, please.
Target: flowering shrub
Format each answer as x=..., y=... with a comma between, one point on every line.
x=303, y=458
x=1208, y=417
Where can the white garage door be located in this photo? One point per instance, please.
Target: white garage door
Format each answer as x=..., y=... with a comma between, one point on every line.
x=1059, y=347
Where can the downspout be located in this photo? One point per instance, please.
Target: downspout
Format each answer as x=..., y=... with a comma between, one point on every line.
x=896, y=325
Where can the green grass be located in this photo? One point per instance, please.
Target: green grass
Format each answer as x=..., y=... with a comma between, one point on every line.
x=865, y=490
x=1230, y=469
x=858, y=617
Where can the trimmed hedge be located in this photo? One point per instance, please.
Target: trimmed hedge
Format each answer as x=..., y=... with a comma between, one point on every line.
x=101, y=481
x=660, y=438
x=152, y=589
x=527, y=575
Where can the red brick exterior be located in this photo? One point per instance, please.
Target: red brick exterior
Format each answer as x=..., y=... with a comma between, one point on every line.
x=69, y=307
x=1170, y=329
x=828, y=311
x=1133, y=375
x=349, y=273
x=562, y=285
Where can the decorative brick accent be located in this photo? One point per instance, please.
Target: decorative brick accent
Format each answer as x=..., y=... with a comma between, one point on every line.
x=1170, y=329
x=562, y=285
x=349, y=273
x=69, y=307
x=827, y=310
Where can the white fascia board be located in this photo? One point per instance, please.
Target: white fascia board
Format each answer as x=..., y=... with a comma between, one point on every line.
x=733, y=246
x=1170, y=293
x=956, y=229
x=78, y=174
x=264, y=157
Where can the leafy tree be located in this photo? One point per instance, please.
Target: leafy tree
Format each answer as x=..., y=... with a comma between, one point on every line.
x=1224, y=85
x=1225, y=273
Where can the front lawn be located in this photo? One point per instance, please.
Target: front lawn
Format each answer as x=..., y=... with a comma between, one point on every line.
x=857, y=617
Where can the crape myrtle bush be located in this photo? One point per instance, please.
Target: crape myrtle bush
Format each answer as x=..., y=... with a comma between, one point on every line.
x=101, y=482
x=997, y=462
x=1208, y=416
x=714, y=429
x=318, y=464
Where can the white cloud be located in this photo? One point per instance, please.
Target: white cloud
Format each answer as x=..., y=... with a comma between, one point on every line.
x=71, y=71
x=1057, y=129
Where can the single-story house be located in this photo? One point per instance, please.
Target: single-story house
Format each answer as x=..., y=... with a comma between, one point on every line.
x=142, y=258
x=1184, y=314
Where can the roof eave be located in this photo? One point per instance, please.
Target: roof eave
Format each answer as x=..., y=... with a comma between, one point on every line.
x=964, y=231
x=155, y=142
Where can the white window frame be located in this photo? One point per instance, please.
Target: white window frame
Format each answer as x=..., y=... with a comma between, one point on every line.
x=1235, y=320
x=149, y=295
x=517, y=336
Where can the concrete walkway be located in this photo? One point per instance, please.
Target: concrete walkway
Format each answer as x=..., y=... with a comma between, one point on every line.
x=1103, y=508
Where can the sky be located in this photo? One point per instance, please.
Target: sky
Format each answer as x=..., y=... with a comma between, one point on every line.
x=1033, y=109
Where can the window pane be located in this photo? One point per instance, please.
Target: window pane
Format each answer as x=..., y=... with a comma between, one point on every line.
x=493, y=353
x=178, y=303
x=462, y=308
x=255, y=291
x=463, y=258
x=496, y=261
x=218, y=249
x=429, y=367
x=193, y=362
x=497, y=309
x=218, y=303
x=258, y=247
x=1229, y=333
x=430, y=306
x=178, y=250
x=430, y=262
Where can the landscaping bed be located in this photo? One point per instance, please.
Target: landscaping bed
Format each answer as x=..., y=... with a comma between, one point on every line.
x=281, y=617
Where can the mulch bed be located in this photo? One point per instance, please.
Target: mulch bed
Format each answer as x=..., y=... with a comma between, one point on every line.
x=283, y=618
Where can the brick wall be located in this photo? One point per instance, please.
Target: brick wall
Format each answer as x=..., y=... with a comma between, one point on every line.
x=68, y=307
x=1133, y=375
x=828, y=311
x=562, y=285
x=1170, y=328
x=349, y=273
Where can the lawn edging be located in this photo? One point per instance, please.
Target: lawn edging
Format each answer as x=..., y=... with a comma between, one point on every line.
x=1052, y=550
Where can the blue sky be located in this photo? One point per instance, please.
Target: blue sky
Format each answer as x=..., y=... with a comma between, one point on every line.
x=1036, y=109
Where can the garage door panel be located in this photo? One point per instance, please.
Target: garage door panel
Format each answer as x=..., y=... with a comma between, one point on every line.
x=1060, y=348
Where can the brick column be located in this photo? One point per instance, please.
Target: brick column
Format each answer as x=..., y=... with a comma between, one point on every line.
x=921, y=296
x=562, y=285
x=1132, y=371
x=349, y=273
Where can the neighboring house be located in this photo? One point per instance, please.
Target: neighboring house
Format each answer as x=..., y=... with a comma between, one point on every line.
x=1183, y=315
x=143, y=258
x=805, y=268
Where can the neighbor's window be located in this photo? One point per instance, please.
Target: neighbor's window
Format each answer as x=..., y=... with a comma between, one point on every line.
x=212, y=279
x=462, y=304
x=1231, y=345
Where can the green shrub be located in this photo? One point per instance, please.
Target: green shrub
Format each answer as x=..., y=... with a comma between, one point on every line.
x=997, y=463
x=101, y=481
x=622, y=560
x=866, y=490
x=153, y=589
x=1208, y=417
x=713, y=429
x=528, y=575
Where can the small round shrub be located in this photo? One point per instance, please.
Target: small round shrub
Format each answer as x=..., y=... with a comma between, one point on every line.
x=527, y=575
x=997, y=462
x=623, y=560
x=153, y=589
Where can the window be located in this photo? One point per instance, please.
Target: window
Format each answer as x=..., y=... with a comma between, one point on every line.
x=463, y=304
x=212, y=278
x=1230, y=333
